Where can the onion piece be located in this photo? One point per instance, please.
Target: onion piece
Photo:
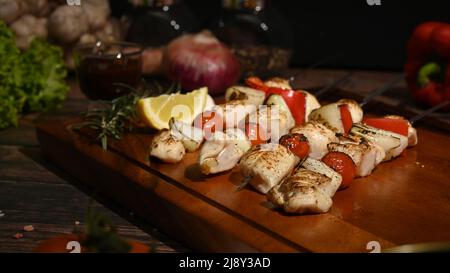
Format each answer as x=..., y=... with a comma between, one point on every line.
x=197, y=60
x=191, y=137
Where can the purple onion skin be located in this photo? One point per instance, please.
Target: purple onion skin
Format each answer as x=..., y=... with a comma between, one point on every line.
x=210, y=65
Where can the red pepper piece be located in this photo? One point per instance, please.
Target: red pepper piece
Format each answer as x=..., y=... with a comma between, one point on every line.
x=346, y=117
x=257, y=83
x=295, y=100
x=396, y=125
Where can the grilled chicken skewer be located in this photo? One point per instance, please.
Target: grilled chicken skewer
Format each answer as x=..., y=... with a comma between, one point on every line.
x=365, y=155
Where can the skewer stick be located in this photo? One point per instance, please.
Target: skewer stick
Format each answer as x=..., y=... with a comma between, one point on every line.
x=313, y=66
x=332, y=85
x=428, y=112
x=381, y=90
x=244, y=183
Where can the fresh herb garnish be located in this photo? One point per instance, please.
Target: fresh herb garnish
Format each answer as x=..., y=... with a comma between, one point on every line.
x=119, y=115
x=100, y=235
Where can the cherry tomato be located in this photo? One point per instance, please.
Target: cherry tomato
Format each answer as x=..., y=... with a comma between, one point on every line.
x=296, y=143
x=396, y=125
x=342, y=164
x=256, y=134
x=346, y=117
x=209, y=122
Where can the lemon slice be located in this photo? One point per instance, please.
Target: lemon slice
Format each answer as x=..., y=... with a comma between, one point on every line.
x=157, y=111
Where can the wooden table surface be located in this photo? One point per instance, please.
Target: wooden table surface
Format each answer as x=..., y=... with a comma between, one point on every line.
x=35, y=192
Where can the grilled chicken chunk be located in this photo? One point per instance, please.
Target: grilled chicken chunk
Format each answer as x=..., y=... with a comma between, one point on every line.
x=299, y=193
x=233, y=112
x=190, y=136
x=273, y=119
x=322, y=168
x=267, y=165
x=167, y=148
x=366, y=155
x=318, y=135
x=308, y=190
x=222, y=151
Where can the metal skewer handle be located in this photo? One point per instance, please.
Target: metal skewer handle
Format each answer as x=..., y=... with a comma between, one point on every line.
x=429, y=111
x=381, y=90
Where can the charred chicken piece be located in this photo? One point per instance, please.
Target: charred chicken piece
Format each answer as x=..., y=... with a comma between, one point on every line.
x=318, y=135
x=308, y=190
x=166, y=147
x=266, y=165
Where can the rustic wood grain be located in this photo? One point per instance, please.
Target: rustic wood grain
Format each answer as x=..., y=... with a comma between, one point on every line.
x=404, y=201
x=35, y=192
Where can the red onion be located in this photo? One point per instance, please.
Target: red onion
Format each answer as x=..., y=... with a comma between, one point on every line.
x=201, y=60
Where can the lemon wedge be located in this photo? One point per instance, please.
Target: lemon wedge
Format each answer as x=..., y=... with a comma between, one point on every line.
x=156, y=112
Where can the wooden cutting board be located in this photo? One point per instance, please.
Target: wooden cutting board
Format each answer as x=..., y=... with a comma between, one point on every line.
x=404, y=201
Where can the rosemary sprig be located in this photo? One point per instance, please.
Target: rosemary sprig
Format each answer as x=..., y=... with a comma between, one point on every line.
x=119, y=115
x=101, y=235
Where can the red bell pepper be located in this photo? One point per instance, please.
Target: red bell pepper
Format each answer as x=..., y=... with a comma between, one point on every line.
x=295, y=100
x=346, y=117
x=396, y=125
x=427, y=68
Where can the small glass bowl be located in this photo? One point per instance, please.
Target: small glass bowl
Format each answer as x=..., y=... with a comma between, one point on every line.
x=105, y=70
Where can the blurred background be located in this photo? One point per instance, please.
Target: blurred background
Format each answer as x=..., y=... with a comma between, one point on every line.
x=352, y=33
x=364, y=34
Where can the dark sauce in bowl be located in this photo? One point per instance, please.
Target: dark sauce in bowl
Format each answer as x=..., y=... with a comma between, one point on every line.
x=104, y=68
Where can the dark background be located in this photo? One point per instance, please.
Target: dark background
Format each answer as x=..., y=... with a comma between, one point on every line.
x=347, y=33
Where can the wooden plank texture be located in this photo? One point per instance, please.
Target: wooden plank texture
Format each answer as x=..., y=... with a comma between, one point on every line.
x=404, y=201
x=33, y=191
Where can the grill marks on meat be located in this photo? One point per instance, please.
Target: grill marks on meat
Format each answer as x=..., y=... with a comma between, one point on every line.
x=267, y=165
x=308, y=190
x=365, y=155
x=167, y=148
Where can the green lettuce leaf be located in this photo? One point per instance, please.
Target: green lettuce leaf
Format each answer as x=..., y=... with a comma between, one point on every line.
x=32, y=81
